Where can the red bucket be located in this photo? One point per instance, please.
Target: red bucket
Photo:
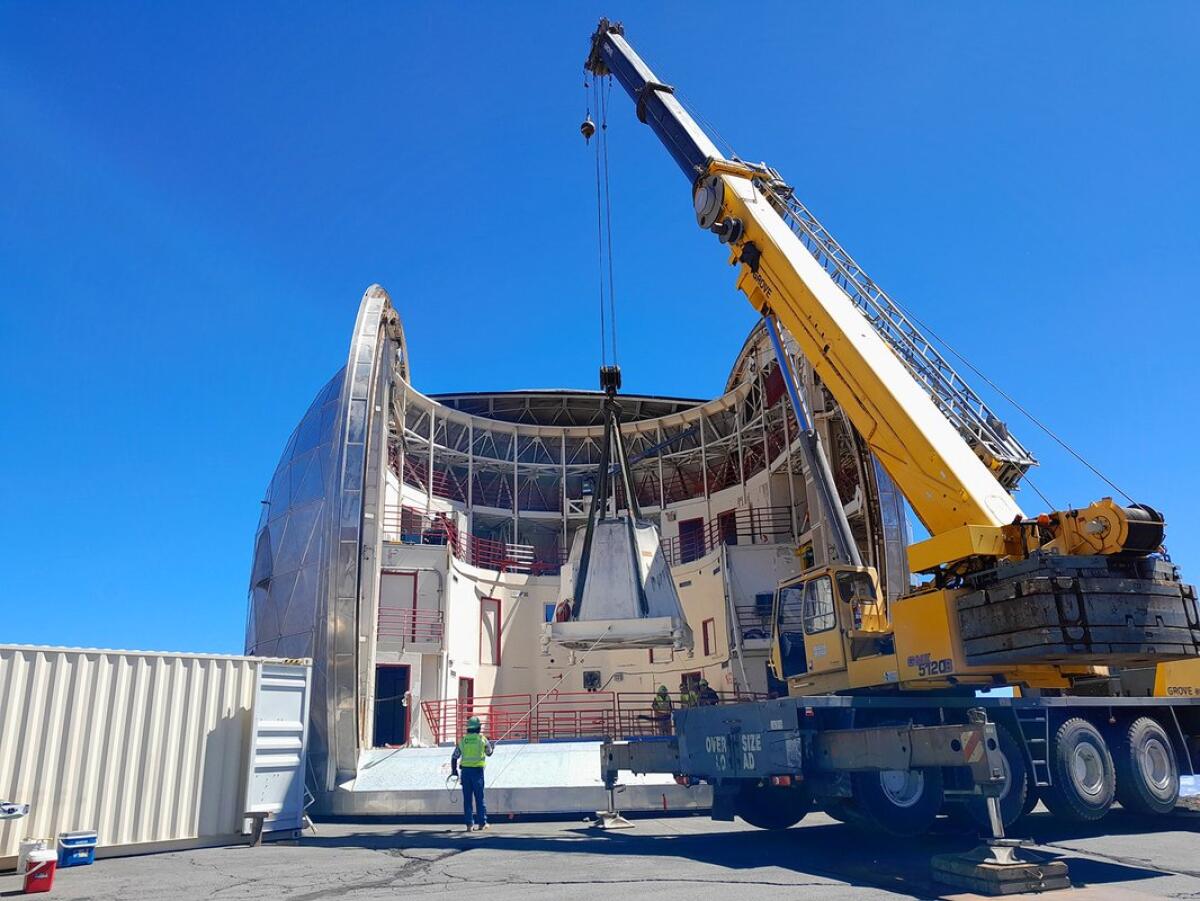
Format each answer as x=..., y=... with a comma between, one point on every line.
x=39, y=871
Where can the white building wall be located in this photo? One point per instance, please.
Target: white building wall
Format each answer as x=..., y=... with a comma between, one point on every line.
x=758, y=568
x=144, y=748
x=525, y=669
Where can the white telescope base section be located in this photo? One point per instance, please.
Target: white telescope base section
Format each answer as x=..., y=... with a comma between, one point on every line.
x=626, y=560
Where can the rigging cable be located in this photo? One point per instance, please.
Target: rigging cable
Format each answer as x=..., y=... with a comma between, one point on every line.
x=605, y=92
x=599, y=217
x=1024, y=412
x=1050, y=505
x=706, y=124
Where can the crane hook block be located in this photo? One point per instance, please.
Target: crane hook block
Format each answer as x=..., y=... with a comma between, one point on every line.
x=587, y=129
x=610, y=379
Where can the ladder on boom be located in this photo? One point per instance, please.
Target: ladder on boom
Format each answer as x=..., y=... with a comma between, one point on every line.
x=980, y=427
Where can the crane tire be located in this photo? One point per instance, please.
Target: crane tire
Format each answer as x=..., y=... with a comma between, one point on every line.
x=898, y=802
x=1084, y=780
x=1147, y=771
x=842, y=810
x=1016, y=788
x=772, y=807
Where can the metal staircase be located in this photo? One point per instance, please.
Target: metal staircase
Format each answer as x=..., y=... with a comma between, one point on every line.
x=1035, y=725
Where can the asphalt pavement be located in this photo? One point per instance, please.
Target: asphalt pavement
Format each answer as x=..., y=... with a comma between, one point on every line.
x=690, y=858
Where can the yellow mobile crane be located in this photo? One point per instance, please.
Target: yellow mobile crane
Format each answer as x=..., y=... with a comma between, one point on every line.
x=1059, y=605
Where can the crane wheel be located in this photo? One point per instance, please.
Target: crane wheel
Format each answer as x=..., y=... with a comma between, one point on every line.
x=842, y=810
x=1016, y=784
x=1147, y=772
x=898, y=802
x=1084, y=780
x=772, y=807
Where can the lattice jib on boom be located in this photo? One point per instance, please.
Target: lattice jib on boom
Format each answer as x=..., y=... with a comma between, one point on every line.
x=980, y=427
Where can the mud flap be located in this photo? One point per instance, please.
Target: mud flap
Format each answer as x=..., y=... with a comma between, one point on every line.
x=725, y=800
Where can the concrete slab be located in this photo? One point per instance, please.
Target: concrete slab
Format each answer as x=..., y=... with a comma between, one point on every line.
x=689, y=858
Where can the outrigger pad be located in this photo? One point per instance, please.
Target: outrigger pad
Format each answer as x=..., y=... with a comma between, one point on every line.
x=626, y=566
x=994, y=869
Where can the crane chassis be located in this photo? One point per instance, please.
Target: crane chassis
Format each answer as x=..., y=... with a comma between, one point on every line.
x=1076, y=610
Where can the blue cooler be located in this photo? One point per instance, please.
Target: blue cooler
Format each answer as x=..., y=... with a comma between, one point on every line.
x=76, y=849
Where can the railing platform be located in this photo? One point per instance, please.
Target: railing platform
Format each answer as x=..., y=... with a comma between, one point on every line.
x=566, y=715
x=754, y=525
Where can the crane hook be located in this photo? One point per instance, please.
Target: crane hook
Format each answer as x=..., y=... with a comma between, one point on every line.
x=587, y=129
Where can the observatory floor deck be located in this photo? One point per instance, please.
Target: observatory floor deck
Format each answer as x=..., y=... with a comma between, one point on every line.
x=544, y=777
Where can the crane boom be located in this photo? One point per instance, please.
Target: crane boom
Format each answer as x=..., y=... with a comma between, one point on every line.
x=692, y=150
x=945, y=480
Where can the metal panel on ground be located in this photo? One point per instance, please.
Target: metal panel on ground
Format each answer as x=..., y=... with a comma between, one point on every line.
x=275, y=775
x=544, y=778
x=147, y=749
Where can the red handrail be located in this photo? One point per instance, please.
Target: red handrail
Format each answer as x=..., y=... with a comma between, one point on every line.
x=414, y=626
x=558, y=715
x=754, y=525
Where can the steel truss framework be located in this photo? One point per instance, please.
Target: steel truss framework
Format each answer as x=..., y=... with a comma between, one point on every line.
x=519, y=465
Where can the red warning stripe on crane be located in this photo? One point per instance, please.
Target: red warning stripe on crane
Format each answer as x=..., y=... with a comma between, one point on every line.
x=972, y=743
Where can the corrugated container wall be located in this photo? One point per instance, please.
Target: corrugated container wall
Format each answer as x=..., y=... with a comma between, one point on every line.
x=145, y=748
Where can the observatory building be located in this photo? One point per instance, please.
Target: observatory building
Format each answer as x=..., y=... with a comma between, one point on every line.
x=412, y=545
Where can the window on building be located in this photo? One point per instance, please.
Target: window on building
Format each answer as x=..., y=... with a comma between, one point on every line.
x=708, y=636
x=489, y=631
x=661, y=655
x=691, y=540
x=548, y=612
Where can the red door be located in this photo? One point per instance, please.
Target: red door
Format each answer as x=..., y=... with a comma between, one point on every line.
x=727, y=526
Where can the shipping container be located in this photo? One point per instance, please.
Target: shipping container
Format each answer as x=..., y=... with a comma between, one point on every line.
x=150, y=750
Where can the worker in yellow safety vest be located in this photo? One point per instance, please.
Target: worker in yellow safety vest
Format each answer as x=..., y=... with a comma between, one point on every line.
x=471, y=753
x=687, y=694
x=661, y=706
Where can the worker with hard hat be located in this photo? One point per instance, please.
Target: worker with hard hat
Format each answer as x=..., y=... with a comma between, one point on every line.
x=687, y=693
x=706, y=697
x=471, y=753
x=661, y=706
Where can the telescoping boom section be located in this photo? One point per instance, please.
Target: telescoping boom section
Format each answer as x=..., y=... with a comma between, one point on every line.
x=1033, y=600
x=947, y=484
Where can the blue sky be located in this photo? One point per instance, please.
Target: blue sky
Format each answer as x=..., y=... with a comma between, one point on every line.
x=195, y=197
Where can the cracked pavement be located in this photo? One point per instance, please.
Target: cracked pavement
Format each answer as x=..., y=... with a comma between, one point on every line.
x=689, y=858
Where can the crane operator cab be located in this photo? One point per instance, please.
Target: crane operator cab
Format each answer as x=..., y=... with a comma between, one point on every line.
x=826, y=620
